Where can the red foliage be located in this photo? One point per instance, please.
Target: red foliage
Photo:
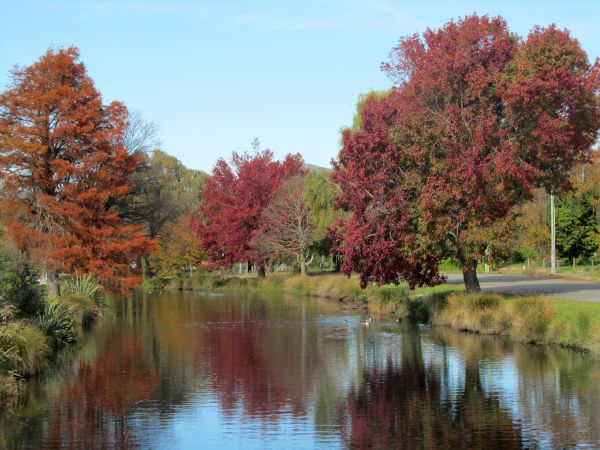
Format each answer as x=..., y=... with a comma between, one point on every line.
x=234, y=199
x=63, y=164
x=476, y=121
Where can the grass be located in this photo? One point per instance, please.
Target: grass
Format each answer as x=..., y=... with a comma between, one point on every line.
x=84, y=311
x=567, y=271
x=530, y=319
x=24, y=348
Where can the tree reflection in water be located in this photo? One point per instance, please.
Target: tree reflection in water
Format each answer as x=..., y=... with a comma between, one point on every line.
x=274, y=372
x=402, y=406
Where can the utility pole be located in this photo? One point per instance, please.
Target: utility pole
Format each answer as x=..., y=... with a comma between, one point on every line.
x=552, y=235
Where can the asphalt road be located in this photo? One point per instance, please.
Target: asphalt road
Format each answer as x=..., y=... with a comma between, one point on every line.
x=522, y=284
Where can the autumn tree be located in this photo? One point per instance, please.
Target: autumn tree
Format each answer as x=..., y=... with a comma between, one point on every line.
x=178, y=249
x=63, y=162
x=532, y=237
x=476, y=120
x=286, y=226
x=162, y=190
x=234, y=198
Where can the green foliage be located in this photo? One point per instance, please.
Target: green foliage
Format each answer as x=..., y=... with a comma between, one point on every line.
x=19, y=286
x=320, y=193
x=575, y=226
x=85, y=286
x=84, y=311
x=362, y=98
x=484, y=301
x=155, y=284
x=163, y=190
x=418, y=311
x=449, y=265
x=23, y=348
x=58, y=324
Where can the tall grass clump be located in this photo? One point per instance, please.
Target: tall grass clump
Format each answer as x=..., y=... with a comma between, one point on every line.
x=58, y=324
x=85, y=286
x=84, y=312
x=83, y=296
x=483, y=313
x=389, y=300
x=532, y=319
x=23, y=348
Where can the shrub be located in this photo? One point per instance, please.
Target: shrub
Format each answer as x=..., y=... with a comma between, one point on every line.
x=155, y=283
x=58, y=324
x=418, y=311
x=84, y=311
x=7, y=312
x=24, y=348
x=85, y=286
x=19, y=287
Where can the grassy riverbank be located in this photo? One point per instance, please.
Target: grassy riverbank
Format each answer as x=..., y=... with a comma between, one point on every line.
x=531, y=319
x=28, y=342
x=386, y=299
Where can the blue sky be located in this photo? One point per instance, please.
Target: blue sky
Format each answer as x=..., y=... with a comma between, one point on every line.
x=214, y=75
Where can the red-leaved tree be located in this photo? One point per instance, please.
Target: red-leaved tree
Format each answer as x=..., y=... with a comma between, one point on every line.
x=63, y=163
x=233, y=201
x=476, y=120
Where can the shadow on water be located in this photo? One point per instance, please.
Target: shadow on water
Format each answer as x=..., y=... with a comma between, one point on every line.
x=251, y=371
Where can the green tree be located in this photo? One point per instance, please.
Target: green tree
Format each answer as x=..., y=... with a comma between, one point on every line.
x=575, y=226
x=320, y=194
x=19, y=285
x=163, y=190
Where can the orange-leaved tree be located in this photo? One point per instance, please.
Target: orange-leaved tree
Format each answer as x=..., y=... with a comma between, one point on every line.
x=63, y=164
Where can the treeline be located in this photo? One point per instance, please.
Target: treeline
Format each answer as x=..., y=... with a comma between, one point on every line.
x=478, y=127
x=443, y=166
x=577, y=221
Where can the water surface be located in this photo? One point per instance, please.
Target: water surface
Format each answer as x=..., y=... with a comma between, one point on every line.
x=249, y=371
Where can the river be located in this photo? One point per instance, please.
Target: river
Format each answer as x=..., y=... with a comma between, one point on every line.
x=277, y=371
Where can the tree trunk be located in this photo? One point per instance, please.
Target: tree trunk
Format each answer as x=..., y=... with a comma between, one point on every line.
x=469, y=269
x=337, y=261
x=144, y=267
x=261, y=269
x=303, y=266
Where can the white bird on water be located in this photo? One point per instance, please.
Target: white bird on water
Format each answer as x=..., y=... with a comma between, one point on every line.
x=368, y=320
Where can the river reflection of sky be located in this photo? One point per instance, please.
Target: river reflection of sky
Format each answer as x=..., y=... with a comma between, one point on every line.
x=179, y=371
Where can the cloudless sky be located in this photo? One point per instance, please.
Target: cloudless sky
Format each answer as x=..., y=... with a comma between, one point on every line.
x=214, y=75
